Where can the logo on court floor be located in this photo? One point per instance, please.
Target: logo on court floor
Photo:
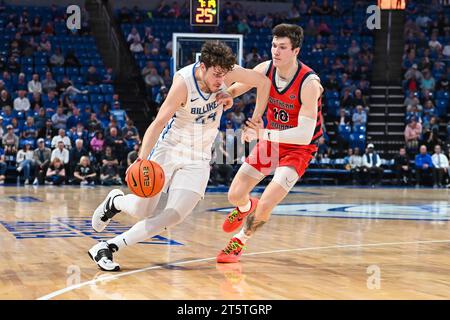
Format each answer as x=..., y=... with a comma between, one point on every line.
x=434, y=211
x=73, y=227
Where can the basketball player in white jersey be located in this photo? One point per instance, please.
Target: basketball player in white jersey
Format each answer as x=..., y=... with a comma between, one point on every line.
x=180, y=140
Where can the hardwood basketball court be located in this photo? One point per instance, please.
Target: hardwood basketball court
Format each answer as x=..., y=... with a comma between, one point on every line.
x=322, y=243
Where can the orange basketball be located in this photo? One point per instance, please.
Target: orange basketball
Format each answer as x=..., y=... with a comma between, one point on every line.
x=145, y=178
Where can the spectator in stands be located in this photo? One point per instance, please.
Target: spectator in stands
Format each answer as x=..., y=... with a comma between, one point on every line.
x=109, y=76
x=119, y=115
x=372, y=166
x=413, y=134
x=116, y=143
x=13, y=65
x=424, y=167
x=34, y=85
x=29, y=130
x=97, y=145
x=434, y=44
x=61, y=137
x=346, y=83
x=76, y=153
x=133, y=36
x=324, y=29
x=50, y=102
x=355, y=162
x=323, y=151
x=402, y=167
x=56, y=174
x=84, y=172
x=162, y=95
x=136, y=47
x=7, y=82
x=48, y=132
x=359, y=117
x=41, y=158
x=71, y=59
x=314, y=9
x=354, y=49
x=57, y=58
x=154, y=80
x=413, y=79
x=21, y=83
x=410, y=98
x=10, y=141
x=440, y=163
x=21, y=103
x=59, y=119
x=331, y=83
x=110, y=171
x=44, y=44
x=25, y=162
x=347, y=100
x=130, y=134
x=74, y=119
x=147, y=69
x=36, y=26
x=40, y=119
x=48, y=84
x=359, y=99
x=167, y=78
x=61, y=153
x=66, y=87
x=133, y=155
x=36, y=101
x=78, y=132
x=5, y=100
x=92, y=76
x=243, y=27
x=428, y=82
x=429, y=111
x=229, y=25
x=237, y=116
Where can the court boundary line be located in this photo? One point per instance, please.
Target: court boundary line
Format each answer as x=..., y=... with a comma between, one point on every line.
x=120, y=275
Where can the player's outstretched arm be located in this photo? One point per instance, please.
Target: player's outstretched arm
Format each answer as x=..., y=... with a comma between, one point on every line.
x=176, y=97
x=307, y=118
x=246, y=79
x=239, y=88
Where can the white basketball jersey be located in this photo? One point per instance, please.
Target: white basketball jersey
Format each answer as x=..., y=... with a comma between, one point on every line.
x=193, y=128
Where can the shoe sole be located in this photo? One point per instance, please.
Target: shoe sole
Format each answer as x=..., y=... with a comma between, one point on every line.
x=100, y=211
x=100, y=267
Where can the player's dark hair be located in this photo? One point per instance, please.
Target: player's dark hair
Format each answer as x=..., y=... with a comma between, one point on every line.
x=217, y=54
x=291, y=31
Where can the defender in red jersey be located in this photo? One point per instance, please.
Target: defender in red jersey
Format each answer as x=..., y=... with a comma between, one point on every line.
x=285, y=147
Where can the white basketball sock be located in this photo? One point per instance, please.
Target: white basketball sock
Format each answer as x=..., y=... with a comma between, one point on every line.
x=245, y=207
x=242, y=236
x=141, y=231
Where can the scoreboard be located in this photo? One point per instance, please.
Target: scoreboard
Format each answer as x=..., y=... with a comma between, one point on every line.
x=205, y=13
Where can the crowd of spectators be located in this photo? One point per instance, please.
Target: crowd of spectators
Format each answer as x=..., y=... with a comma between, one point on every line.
x=52, y=128
x=426, y=69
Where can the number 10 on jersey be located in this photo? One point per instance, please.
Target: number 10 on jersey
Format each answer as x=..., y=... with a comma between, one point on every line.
x=205, y=12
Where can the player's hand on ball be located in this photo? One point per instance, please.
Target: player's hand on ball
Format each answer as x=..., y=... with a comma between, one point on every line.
x=223, y=98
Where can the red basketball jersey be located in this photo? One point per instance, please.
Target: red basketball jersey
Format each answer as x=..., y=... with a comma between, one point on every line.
x=283, y=106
